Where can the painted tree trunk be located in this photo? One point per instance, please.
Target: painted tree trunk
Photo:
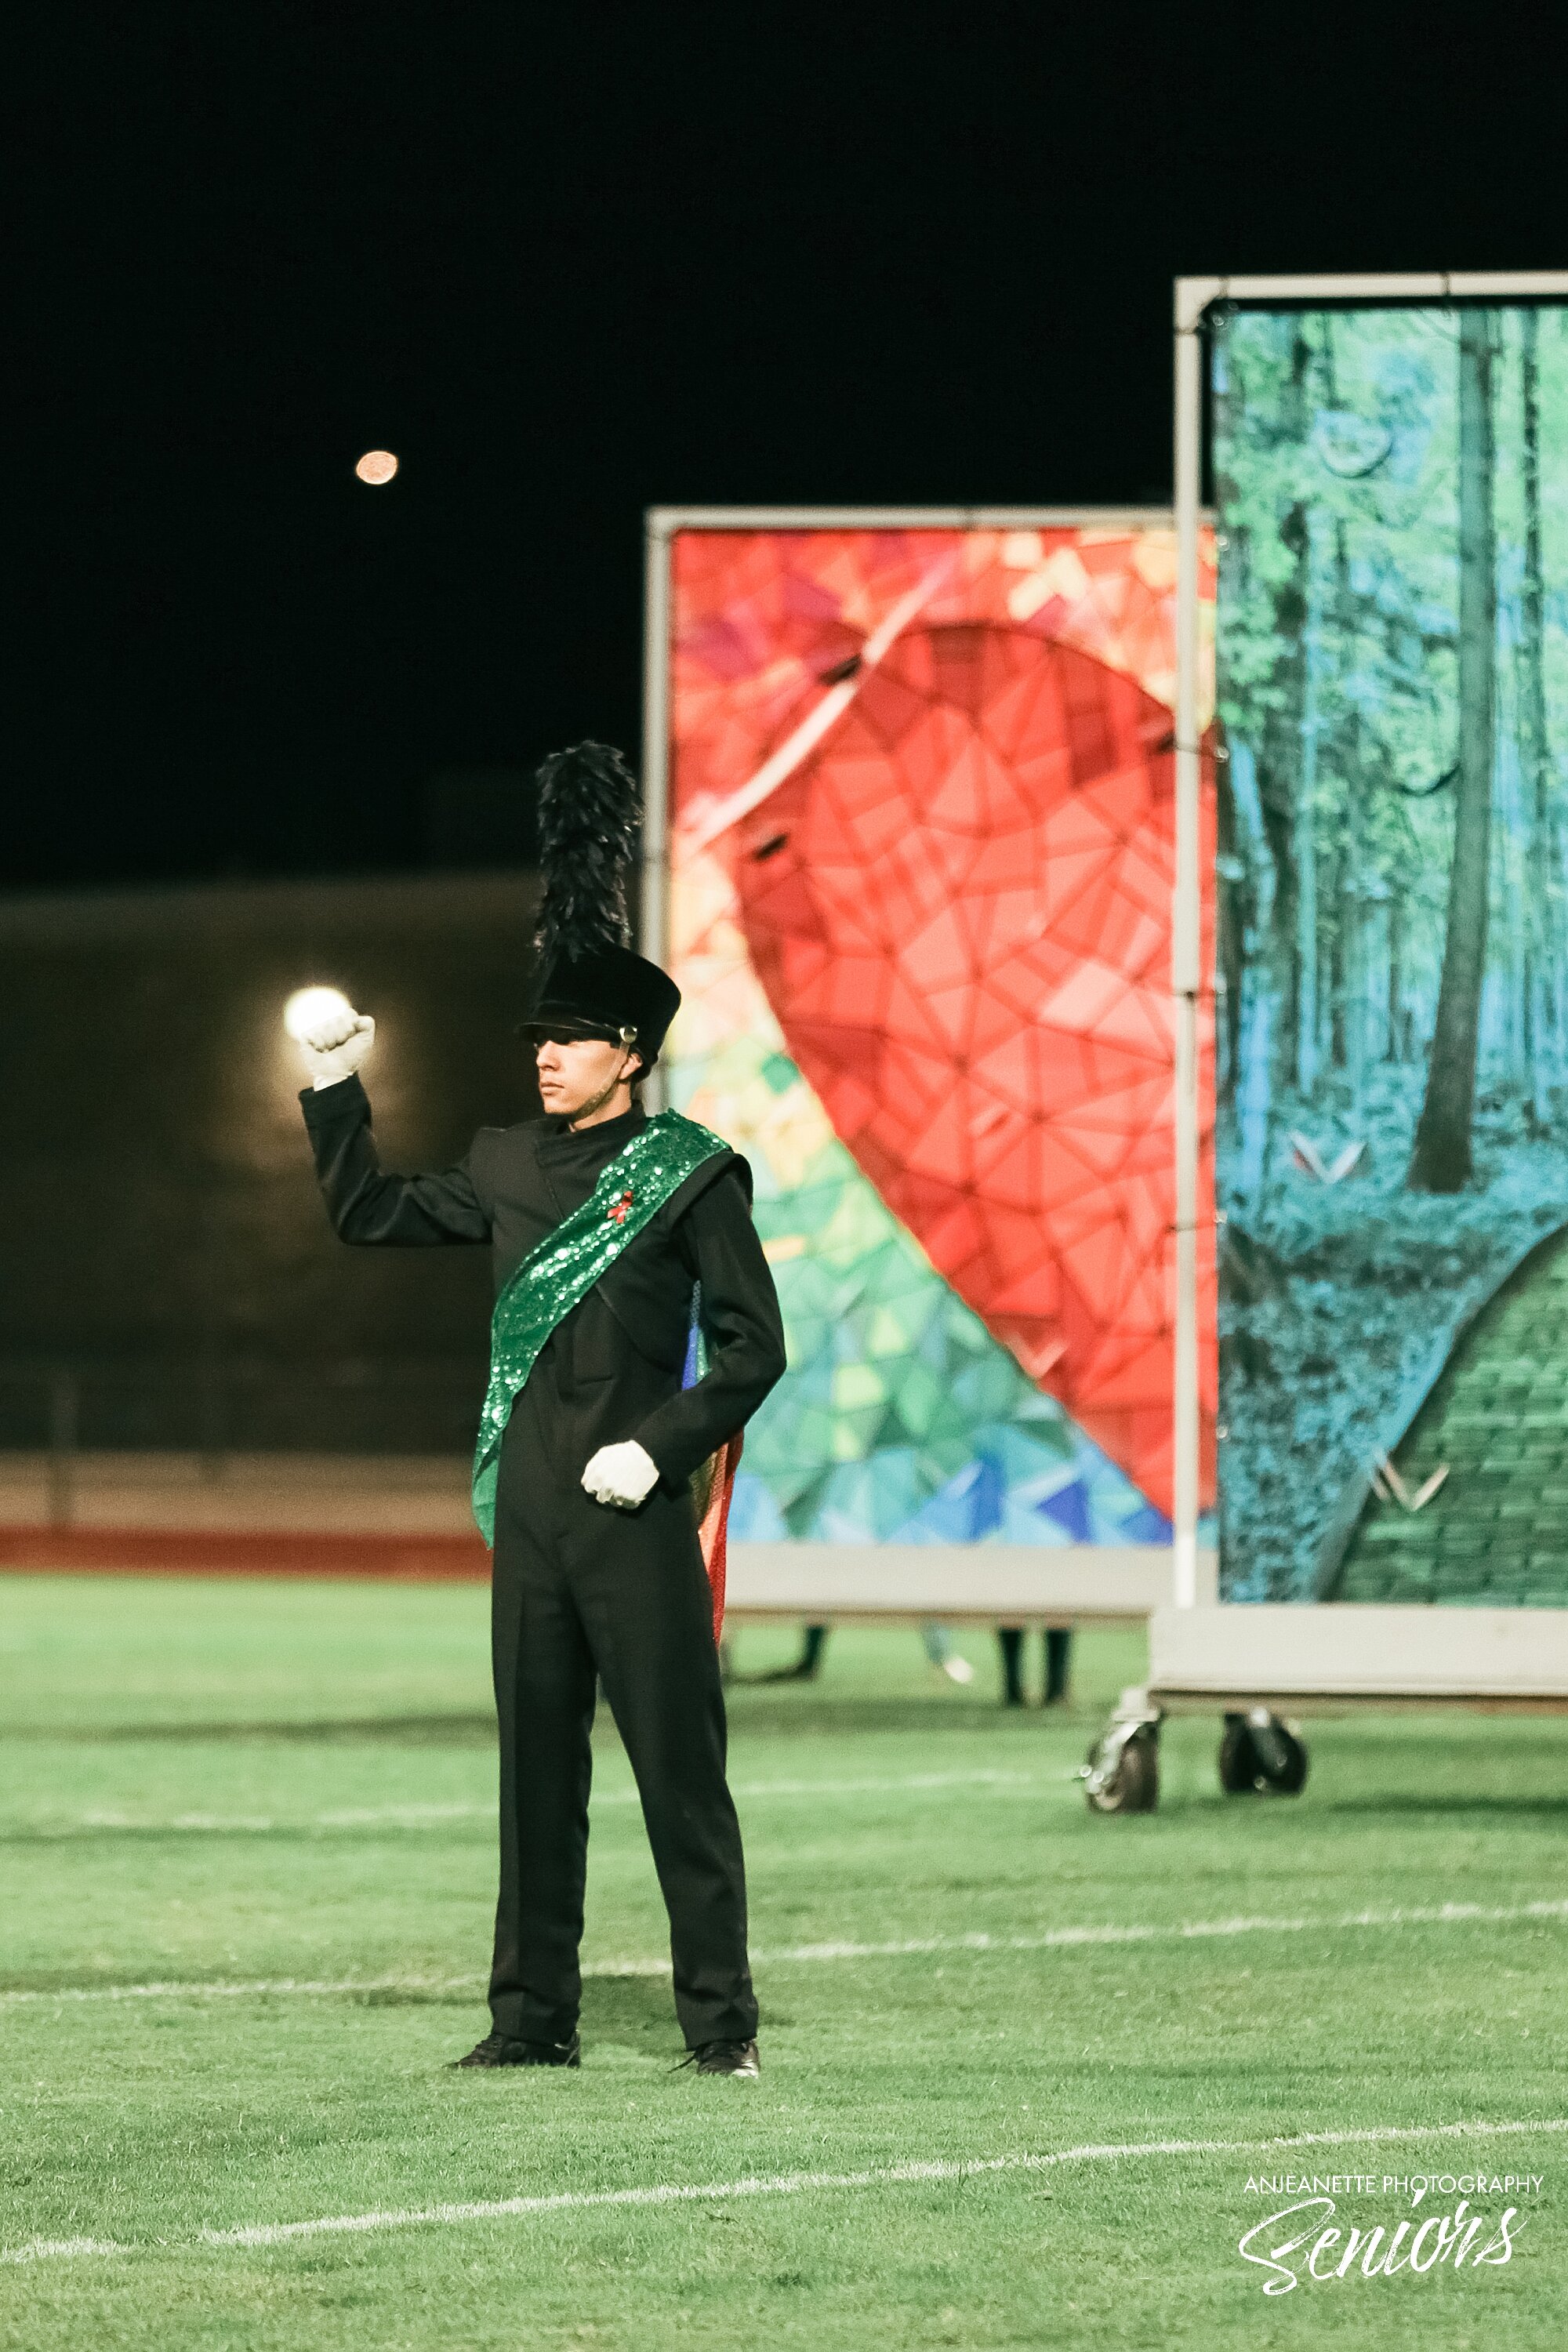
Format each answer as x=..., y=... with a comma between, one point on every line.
x=1305, y=829
x=1255, y=1040
x=1280, y=751
x=1441, y=1160
x=1394, y=1050
x=1544, y=918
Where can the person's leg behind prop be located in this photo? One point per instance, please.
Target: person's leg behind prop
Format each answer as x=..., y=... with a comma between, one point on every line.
x=1058, y=1664
x=937, y=1642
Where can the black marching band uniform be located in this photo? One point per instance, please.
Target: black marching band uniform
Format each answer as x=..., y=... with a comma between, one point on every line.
x=581, y=1591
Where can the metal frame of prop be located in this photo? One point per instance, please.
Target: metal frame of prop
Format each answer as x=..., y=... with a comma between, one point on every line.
x=1010, y=1584
x=1254, y=1660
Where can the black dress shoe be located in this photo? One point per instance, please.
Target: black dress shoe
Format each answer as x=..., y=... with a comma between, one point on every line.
x=725, y=2058
x=500, y=2050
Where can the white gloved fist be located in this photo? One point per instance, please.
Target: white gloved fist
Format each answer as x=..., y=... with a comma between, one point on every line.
x=336, y=1046
x=621, y=1475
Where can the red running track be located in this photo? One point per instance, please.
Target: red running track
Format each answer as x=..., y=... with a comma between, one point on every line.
x=193, y=1551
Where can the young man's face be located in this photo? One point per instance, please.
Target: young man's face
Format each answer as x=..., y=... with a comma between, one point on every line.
x=576, y=1071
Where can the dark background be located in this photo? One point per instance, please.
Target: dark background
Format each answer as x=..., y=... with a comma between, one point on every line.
x=162, y=1240
x=566, y=262
x=569, y=260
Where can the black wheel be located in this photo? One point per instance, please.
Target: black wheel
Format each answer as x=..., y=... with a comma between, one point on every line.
x=1238, y=1770
x=1281, y=1758
x=1260, y=1756
x=1131, y=1783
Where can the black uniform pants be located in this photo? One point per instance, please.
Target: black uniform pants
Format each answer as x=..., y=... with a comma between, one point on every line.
x=581, y=1591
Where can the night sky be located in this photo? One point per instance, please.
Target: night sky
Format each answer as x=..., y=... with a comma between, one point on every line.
x=569, y=261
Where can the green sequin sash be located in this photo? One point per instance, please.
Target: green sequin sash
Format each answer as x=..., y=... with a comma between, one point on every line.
x=564, y=1267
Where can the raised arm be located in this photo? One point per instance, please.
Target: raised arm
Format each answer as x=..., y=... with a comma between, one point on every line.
x=366, y=1204
x=745, y=1333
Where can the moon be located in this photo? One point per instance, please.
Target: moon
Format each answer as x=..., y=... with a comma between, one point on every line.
x=309, y=1006
x=377, y=465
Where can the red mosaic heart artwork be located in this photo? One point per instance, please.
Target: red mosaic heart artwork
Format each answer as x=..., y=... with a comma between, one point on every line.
x=960, y=908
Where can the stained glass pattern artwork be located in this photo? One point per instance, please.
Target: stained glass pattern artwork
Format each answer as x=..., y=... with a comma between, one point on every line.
x=923, y=832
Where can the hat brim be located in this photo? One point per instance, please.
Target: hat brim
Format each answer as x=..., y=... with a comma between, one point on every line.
x=565, y=1031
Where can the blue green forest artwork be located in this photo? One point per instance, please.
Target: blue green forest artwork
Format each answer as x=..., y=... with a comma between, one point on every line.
x=1392, y=953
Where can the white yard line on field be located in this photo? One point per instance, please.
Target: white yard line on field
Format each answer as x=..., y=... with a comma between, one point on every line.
x=780, y=2184
x=257, y=1987
x=422, y=1816
x=1438, y=1915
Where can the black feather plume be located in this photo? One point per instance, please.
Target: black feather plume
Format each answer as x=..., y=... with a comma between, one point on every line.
x=588, y=814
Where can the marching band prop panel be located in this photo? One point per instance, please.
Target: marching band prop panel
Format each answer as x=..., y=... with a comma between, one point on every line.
x=921, y=867
x=1392, y=493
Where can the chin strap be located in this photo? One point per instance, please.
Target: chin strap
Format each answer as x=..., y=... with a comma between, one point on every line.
x=628, y=1039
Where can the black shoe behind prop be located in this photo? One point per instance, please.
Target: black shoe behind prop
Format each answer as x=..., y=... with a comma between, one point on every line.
x=725, y=2058
x=500, y=2050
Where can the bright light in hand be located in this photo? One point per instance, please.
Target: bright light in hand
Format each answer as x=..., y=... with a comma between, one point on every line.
x=308, y=1007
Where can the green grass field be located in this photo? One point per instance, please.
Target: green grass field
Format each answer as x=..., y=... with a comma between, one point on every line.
x=271, y=1805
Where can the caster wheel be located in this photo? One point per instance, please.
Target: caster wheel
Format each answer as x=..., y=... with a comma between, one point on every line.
x=1260, y=1756
x=1281, y=1758
x=1239, y=1772
x=1125, y=1777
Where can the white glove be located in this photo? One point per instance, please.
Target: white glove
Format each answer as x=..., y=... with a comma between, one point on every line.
x=621, y=1475
x=336, y=1046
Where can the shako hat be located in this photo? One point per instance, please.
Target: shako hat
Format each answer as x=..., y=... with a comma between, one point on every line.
x=590, y=984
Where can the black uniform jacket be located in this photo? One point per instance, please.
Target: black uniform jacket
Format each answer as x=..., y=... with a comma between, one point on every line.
x=615, y=1363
